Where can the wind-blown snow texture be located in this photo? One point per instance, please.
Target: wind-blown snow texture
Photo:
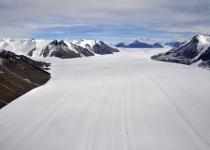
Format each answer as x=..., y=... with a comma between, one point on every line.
x=118, y=102
x=197, y=49
x=61, y=49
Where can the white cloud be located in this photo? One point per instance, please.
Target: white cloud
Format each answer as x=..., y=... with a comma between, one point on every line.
x=23, y=17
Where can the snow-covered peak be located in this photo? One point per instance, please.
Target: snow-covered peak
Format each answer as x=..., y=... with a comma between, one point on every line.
x=204, y=39
x=203, y=43
x=88, y=44
x=67, y=45
x=22, y=47
x=83, y=43
x=96, y=46
x=199, y=42
x=196, y=49
x=57, y=48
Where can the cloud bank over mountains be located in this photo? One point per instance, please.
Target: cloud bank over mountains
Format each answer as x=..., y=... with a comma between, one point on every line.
x=109, y=19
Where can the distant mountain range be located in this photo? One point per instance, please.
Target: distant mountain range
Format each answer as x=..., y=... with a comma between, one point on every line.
x=196, y=50
x=61, y=49
x=147, y=43
x=138, y=44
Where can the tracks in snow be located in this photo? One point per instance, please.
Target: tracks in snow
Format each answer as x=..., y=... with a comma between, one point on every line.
x=191, y=131
x=87, y=106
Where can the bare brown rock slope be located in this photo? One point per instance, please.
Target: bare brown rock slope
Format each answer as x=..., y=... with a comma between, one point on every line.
x=18, y=75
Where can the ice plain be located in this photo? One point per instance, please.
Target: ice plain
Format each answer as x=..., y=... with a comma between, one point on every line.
x=124, y=101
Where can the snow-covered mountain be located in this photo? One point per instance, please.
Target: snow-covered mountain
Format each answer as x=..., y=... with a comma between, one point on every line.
x=195, y=50
x=22, y=47
x=18, y=75
x=96, y=46
x=61, y=49
x=157, y=45
x=139, y=44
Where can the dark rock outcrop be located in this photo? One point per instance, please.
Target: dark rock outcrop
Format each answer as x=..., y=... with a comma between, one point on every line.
x=102, y=48
x=18, y=75
x=59, y=49
x=31, y=52
x=198, y=48
x=83, y=51
x=62, y=50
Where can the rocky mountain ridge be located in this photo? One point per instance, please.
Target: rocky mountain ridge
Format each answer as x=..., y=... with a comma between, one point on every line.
x=196, y=50
x=18, y=75
x=56, y=48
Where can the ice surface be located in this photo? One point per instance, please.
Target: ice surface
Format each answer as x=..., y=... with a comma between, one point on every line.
x=124, y=101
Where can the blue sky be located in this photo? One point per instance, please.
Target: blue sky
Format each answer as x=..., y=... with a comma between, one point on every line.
x=110, y=21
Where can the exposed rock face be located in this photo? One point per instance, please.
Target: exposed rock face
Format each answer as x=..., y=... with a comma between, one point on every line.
x=205, y=57
x=97, y=47
x=59, y=49
x=198, y=48
x=18, y=75
x=83, y=51
x=102, y=48
x=63, y=49
x=31, y=52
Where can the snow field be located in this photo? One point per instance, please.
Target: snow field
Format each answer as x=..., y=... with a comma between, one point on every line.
x=124, y=101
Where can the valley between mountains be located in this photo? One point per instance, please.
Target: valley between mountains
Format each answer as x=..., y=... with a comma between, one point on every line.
x=122, y=101
x=20, y=74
